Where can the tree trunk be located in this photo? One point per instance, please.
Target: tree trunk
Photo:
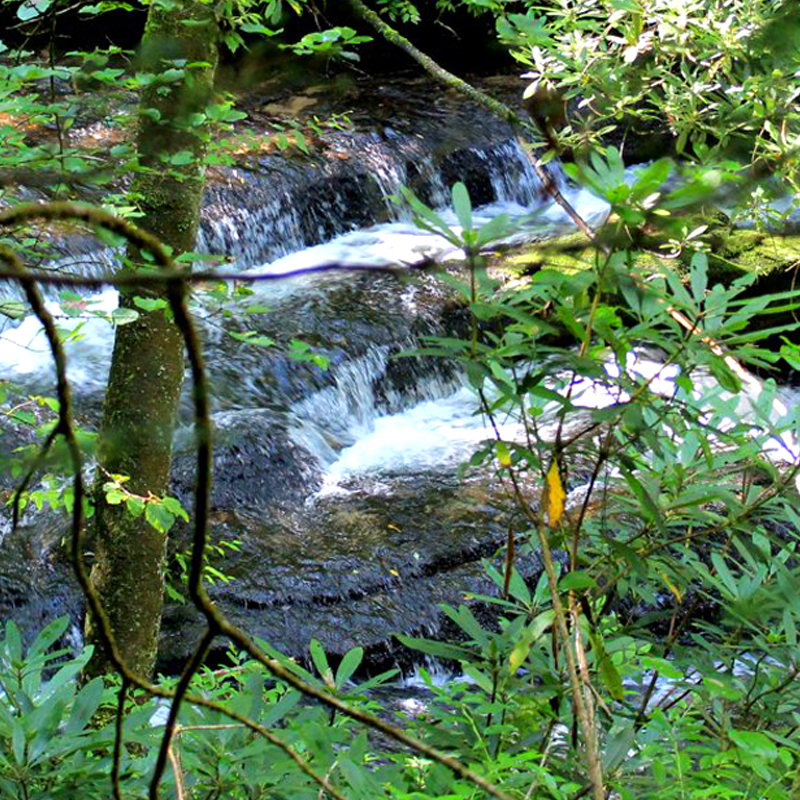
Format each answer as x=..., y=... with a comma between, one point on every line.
x=147, y=365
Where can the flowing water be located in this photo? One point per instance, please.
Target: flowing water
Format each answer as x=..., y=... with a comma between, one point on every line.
x=370, y=443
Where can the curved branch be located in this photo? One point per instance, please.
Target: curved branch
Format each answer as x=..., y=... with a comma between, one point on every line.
x=216, y=620
x=150, y=278
x=118, y=739
x=26, y=212
x=194, y=664
x=32, y=470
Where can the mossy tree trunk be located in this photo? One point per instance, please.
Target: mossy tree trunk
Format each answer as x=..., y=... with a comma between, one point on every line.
x=147, y=365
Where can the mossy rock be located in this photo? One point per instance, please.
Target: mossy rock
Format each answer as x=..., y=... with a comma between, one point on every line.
x=732, y=252
x=570, y=253
x=772, y=257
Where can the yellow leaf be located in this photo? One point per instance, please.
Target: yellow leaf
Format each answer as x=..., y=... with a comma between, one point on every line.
x=392, y=527
x=671, y=586
x=503, y=456
x=553, y=496
x=394, y=572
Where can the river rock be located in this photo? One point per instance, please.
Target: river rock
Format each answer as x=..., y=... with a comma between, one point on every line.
x=353, y=569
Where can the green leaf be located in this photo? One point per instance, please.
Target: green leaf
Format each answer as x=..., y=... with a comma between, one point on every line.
x=13, y=309
x=114, y=497
x=85, y=705
x=348, y=665
x=13, y=642
x=150, y=304
x=278, y=711
x=18, y=742
x=519, y=653
x=465, y=620
x=159, y=517
x=618, y=746
x=301, y=142
x=725, y=574
x=124, y=316
x=611, y=677
x=173, y=505
x=724, y=375
x=253, y=27
x=429, y=219
x=462, y=205
x=755, y=744
x=576, y=580
x=65, y=674
x=47, y=637
x=698, y=276
x=496, y=228
x=181, y=158
x=647, y=505
x=665, y=668
x=136, y=506
x=30, y=9
x=251, y=337
x=320, y=660
x=437, y=649
x=301, y=351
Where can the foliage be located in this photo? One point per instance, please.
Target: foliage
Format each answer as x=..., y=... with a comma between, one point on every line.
x=49, y=747
x=331, y=43
x=680, y=536
x=710, y=70
x=672, y=534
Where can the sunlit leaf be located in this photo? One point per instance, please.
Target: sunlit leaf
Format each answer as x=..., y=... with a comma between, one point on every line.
x=553, y=495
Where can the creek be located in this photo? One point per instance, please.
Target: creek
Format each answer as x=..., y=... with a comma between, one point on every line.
x=338, y=484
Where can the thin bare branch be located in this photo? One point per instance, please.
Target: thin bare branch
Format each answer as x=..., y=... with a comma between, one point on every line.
x=177, y=298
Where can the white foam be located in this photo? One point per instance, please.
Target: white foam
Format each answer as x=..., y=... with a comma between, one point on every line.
x=403, y=243
x=438, y=434
x=25, y=353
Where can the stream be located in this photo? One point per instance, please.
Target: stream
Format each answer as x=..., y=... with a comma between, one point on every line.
x=338, y=484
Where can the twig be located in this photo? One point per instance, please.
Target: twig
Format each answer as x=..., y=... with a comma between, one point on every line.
x=200, y=597
x=165, y=750
x=65, y=426
x=32, y=470
x=118, y=733
x=147, y=279
x=178, y=772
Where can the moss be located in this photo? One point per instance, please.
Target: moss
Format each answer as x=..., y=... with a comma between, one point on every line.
x=746, y=251
x=732, y=253
x=570, y=253
x=356, y=520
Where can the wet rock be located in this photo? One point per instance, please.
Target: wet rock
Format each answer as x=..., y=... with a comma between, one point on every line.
x=392, y=133
x=37, y=583
x=345, y=319
x=354, y=569
x=255, y=463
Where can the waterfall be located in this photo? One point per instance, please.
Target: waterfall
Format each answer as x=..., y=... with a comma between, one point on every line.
x=288, y=214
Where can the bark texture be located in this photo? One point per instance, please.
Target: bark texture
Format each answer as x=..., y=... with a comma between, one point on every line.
x=147, y=365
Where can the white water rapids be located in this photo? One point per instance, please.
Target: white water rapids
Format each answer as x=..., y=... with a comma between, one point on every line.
x=441, y=430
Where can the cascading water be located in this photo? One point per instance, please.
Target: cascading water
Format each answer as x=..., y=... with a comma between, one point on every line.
x=386, y=430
